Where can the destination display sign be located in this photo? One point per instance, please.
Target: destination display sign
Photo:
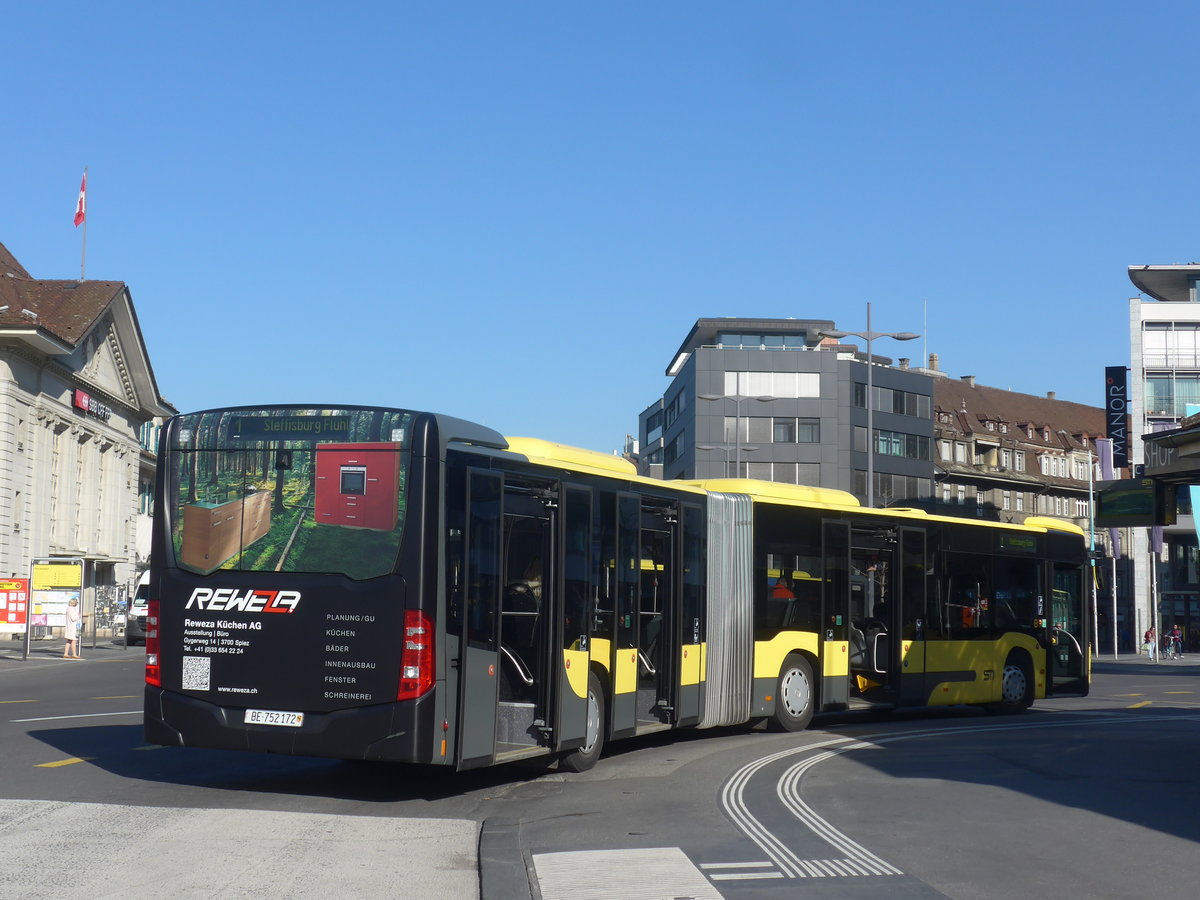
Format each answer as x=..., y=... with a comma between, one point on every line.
x=289, y=428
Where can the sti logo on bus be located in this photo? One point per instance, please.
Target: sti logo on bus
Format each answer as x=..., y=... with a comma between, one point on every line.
x=249, y=600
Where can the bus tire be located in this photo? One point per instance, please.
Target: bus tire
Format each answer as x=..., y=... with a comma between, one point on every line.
x=794, y=695
x=583, y=758
x=1016, y=684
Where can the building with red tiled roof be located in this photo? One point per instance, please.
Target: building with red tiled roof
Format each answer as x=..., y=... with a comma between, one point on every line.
x=77, y=398
x=1005, y=455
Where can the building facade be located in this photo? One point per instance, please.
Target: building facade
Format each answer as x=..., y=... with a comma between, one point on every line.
x=1004, y=455
x=78, y=409
x=1164, y=380
x=780, y=400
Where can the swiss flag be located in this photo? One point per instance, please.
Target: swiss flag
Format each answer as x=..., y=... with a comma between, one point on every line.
x=81, y=206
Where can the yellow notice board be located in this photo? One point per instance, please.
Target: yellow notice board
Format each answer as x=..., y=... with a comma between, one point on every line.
x=54, y=576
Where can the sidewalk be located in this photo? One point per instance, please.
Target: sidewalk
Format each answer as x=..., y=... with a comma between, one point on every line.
x=51, y=648
x=1104, y=662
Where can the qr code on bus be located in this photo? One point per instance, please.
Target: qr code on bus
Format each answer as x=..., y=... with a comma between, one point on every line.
x=196, y=673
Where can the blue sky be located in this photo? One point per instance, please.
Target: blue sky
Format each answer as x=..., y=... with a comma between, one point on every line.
x=514, y=212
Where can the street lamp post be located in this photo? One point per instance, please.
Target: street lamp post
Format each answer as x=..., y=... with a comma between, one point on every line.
x=869, y=336
x=737, y=426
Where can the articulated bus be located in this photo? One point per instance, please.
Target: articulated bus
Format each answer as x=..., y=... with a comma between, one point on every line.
x=384, y=584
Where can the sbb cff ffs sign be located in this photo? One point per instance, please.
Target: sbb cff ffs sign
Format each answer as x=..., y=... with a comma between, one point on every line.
x=1116, y=408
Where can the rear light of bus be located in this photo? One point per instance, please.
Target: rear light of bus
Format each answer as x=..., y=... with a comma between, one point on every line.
x=416, y=659
x=153, y=672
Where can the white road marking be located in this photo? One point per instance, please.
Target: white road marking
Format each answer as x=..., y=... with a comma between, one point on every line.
x=858, y=861
x=132, y=712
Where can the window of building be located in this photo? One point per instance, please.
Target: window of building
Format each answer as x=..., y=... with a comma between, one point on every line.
x=1170, y=345
x=1020, y=502
x=761, y=471
x=787, y=430
x=962, y=495
x=904, y=403
x=654, y=427
x=772, y=384
x=1170, y=394
x=960, y=452
x=1006, y=458
x=1019, y=460
x=945, y=493
x=733, y=341
x=671, y=451
x=674, y=408
x=1004, y=428
x=1006, y=500
x=759, y=430
x=895, y=443
x=945, y=450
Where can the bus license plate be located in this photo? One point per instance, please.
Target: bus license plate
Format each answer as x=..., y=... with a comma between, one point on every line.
x=274, y=717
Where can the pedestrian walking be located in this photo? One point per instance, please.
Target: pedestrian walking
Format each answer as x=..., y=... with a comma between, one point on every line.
x=1150, y=643
x=71, y=632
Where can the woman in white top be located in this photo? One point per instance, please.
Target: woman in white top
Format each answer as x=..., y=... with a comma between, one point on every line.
x=74, y=624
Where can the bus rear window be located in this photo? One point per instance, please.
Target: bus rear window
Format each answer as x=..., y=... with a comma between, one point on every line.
x=289, y=490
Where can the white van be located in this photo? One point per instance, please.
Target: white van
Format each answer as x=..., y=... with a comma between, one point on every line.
x=135, y=629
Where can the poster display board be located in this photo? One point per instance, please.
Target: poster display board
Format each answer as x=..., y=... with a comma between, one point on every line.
x=53, y=584
x=14, y=604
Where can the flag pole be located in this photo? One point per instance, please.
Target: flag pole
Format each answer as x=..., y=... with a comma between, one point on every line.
x=83, y=251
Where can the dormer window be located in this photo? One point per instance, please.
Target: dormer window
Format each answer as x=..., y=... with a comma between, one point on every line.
x=1004, y=428
x=1046, y=435
x=991, y=426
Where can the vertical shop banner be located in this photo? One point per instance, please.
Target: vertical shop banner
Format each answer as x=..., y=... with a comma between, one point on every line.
x=53, y=583
x=14, y=604
x=1116, y=407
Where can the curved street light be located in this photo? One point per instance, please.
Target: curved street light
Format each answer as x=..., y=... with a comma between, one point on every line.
x=870, y=336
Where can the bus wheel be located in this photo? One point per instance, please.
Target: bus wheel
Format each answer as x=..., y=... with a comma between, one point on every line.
x=583, y=758
x=793, y=695
x=1016, y=685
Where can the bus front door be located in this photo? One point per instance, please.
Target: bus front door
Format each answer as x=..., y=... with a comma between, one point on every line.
x=530, y=619
x=479, y=656
x=572, y=628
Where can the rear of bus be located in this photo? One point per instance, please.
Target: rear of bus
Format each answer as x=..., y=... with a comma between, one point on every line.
x=292, y=600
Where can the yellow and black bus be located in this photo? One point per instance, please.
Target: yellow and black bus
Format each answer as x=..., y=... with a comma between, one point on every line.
x=370, y=583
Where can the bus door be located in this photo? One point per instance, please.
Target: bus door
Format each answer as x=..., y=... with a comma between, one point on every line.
x=479, y=657
x=875, y=612
x=908, y=620
x=530, y=617
x=658, y=638
x=1067, y=630
x=625, y=578
x=835, y=613
x=572, y=629
x=693, y=607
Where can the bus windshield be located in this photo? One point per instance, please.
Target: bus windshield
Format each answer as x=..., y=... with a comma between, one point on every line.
x=287, y=489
